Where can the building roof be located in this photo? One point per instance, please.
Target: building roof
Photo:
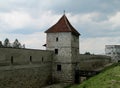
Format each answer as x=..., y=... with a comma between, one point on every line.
x=63, y=25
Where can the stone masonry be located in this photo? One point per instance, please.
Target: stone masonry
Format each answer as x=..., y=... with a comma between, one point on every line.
x=29, y=68
x=63, y=39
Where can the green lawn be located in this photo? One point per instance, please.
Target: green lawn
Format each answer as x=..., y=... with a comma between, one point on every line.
x=109, y=78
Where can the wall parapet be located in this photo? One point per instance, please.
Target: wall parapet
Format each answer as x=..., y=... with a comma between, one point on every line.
x=92, y=62
x=25, y=68
x=12, y=56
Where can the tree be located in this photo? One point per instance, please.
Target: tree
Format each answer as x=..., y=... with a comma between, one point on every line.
x=16, y=44
x=87, y=53
x=6, y=43
x=1, y=44
x=23, y=46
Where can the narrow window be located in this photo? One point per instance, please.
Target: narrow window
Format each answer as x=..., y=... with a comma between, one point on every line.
x=11, y=59
x=56, y=51
x=42, y=59
x=57, y=39
x=30, y=58
x=58, y=67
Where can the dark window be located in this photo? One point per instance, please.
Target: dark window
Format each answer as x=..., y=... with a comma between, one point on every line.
x=56, y=51
x=30, y=58
x=57, y=39
x=11, y=59
x=118, y=60
x=42, y=59
x=58, y=67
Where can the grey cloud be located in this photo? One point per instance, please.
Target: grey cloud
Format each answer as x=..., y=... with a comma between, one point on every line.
x=104, y=7
x=78, y=6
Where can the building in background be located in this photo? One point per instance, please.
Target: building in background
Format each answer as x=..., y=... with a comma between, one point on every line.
x=113, y=51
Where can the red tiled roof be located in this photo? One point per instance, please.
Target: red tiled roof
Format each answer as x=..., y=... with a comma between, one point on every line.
x=63, y=25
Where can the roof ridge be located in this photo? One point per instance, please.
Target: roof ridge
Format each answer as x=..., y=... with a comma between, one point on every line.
x=66, y=21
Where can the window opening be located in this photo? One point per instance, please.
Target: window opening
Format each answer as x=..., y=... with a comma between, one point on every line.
x=57, y=39
x=30, y=58
x=58, y=67
x=56, y=51
x=42, y=59
x=11, y=59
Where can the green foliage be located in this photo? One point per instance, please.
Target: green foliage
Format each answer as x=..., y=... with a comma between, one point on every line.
x=16, y=44
x=6, y=43
x=1, y=44
x=87, y=53
x=109, y=78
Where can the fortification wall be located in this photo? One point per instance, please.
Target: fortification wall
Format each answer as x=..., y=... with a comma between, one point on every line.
x=23, y=56
x=92, y=62
x=25, y=68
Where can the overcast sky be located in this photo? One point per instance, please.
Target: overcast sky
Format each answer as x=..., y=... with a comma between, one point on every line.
x=98, y=21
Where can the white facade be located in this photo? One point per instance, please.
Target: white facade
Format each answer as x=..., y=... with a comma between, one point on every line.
x=113, y=51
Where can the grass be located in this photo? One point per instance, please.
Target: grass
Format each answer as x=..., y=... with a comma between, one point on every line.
x=108, y=78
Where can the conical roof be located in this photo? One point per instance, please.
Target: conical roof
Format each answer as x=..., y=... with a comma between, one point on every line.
x=63, y=25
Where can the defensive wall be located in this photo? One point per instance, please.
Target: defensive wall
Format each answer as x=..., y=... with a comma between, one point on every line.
x=28, y=68
x=25, y=68
x=92, y=62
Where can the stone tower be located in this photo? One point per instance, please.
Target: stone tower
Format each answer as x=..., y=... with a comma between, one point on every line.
x=63, y=39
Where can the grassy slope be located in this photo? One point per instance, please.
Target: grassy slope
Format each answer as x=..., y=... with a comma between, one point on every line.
x=109, y=78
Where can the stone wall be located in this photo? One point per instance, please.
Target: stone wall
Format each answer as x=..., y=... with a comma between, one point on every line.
x=64, y=40
x=92, y=62
x=23, y=56
x=65, y=75
x=25, y=68
x=62, y=67
x=28, y=68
